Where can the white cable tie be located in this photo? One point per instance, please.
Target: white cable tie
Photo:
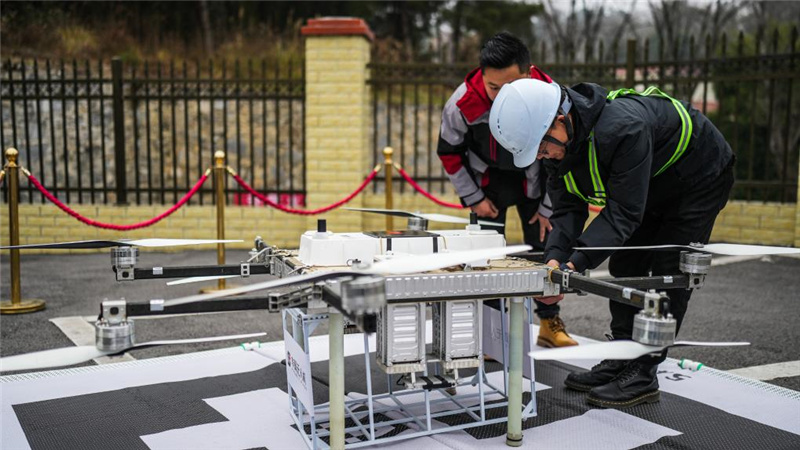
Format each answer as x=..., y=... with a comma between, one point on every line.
x=157, y=304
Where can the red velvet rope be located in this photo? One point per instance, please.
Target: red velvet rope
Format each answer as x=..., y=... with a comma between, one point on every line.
x=111, y=226
x=424, y=192
x=430, y=196
x=304, y=212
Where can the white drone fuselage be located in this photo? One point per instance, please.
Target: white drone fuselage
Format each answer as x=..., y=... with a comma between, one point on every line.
x=328, y=249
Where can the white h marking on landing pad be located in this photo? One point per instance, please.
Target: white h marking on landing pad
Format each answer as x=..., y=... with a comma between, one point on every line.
x=255, y=421
x=608, y=429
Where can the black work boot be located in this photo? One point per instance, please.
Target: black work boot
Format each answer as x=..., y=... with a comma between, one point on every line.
x=636, y=384
x=585, y=380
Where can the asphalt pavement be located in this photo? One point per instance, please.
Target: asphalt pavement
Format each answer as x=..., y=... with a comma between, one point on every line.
x=756, y=301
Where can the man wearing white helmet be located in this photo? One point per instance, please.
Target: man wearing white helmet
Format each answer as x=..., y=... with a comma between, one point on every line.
x=658, y=167
x=484, y=175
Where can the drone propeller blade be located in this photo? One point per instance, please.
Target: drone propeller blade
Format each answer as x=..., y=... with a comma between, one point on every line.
x=179, y=242
x=68, y=356
x=197, y=340
x=388, y=212
x=424, y=263
x=715, y=249
x=199, y=279
x=71, y=245
x=445, y=218
x=282, y=282
x=749, y=250
x=604, y=350
x=121, y=243
x=621, y=349
x=455, y=219
x=708, y=344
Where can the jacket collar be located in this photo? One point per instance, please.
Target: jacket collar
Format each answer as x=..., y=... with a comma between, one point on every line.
x=588, y=101
x=475, y=102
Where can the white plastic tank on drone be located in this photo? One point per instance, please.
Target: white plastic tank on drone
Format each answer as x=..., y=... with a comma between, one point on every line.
x=326, y=249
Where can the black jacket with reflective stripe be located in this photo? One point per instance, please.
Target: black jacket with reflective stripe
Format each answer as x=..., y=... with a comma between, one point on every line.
x=634, y=136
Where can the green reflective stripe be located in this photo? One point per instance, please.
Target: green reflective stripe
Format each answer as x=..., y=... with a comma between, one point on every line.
x=572, y=188
x=686, y=135
x=597, y=182
x=686, y=121
x=596, y=201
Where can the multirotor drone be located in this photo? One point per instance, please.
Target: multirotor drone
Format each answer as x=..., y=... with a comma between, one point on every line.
x=382, y=282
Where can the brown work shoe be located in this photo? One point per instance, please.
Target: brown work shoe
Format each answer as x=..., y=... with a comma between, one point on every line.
x=553, y=333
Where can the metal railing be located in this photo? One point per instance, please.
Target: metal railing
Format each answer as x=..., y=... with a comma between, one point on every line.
x=407, y=102
x=745, y=85
x=109, y=132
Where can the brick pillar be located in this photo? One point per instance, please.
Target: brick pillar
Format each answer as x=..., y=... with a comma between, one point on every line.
x=338, y=155
x=797, y=212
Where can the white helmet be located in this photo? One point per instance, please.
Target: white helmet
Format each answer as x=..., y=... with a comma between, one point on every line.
x=521, y=114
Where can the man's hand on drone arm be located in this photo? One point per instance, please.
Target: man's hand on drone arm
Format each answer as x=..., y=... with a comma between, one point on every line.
x=544, y=225
x=556, y=298
x=485, y=208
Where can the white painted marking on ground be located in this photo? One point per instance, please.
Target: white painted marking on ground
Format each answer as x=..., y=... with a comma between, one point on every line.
x=770, y=371
x=81, y=332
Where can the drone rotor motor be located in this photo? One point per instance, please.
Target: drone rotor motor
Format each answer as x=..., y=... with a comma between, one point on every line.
x=417, y=224
x=114, y=331
x=123, y=259
x=652, y=326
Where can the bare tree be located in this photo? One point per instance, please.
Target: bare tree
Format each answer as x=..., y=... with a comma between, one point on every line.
x=582, y=26
x=627, y=24
x=718, y=16
x=208, y=39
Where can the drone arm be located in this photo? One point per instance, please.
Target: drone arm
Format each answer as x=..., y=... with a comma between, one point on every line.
x=621, y=294
x=682, y=281
x=156, y=307
x=199, y=271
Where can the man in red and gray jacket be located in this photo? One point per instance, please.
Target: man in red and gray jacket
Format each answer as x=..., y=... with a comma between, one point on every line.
x=484, y=174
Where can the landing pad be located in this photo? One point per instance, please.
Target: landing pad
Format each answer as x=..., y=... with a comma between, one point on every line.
x=235, y=398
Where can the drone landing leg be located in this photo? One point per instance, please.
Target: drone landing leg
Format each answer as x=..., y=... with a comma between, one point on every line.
x=515, y=344
x=336, y=388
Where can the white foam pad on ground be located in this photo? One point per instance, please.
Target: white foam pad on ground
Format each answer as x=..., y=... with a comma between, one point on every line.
x=255, y=419
x=606, y=429
x=757, y=401
x=17, y=389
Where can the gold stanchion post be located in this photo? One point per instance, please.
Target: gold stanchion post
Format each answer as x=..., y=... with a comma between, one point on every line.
x=16, y=305
x=387, y=161
x=219, y=177
x=219, y=194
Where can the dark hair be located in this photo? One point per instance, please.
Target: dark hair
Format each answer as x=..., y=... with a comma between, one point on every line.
x=504, y=49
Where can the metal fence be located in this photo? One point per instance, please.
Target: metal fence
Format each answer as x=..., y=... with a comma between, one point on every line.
x=109, y=132
x=746, y=85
